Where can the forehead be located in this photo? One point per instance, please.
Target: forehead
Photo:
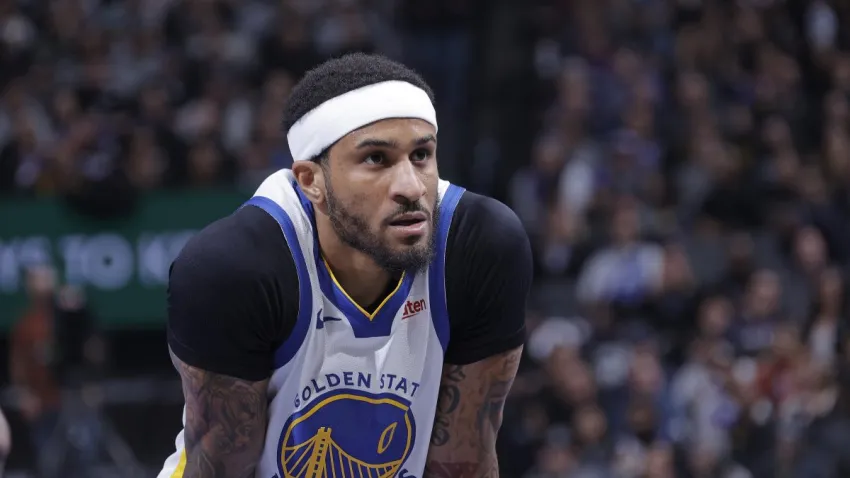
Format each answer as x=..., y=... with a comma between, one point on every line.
x=402, y=131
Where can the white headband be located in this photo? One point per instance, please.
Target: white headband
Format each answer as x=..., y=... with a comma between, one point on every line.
x=327, y=123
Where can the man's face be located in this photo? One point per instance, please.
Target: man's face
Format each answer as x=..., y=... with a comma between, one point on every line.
x=381, y=185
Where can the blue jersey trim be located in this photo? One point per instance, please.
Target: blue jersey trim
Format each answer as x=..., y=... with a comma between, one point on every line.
x=437, y=270
x=290, y=346
x=362, y=325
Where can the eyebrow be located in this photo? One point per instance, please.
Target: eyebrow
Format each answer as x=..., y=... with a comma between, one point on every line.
x=384, y=143
x=425, y=140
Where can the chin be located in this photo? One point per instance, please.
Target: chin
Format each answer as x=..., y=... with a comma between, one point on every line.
x=412, y=259
x=405, y=244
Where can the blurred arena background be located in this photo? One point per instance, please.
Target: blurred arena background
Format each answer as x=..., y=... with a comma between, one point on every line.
x=682, y=167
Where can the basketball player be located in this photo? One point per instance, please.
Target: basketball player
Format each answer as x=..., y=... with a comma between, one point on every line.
x=358, y=317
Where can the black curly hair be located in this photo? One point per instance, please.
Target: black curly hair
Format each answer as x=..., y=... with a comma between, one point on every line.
x=341, y=75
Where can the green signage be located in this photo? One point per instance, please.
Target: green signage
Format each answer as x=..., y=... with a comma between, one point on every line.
x=122, y=263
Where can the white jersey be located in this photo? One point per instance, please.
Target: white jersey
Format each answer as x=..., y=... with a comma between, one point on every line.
x=353, y=393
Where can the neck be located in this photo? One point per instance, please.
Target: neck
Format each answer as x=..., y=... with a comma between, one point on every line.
x=357, y=273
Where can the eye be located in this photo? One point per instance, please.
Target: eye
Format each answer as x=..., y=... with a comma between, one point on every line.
x=374, y=158
x=421, y=154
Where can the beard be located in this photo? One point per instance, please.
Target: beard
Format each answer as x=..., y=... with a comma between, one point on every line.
x=354, y=231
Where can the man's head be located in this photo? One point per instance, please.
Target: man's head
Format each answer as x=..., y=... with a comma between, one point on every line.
x=41, y=282
x=362, y=130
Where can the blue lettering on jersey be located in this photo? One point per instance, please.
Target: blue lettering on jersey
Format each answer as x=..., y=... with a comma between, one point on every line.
x=386, y=382
x=348, y=432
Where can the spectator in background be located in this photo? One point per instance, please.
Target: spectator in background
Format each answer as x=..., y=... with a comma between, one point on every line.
x=32, y=358
x=825, y=330
x=760, y=314
x=555, y=458
x=627, y=272
x=80, y=356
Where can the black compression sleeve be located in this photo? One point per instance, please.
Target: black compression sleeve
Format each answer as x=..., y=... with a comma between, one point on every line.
x=488, y=277
x=233, y=296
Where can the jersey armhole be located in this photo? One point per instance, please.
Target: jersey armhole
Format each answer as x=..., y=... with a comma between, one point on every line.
x=437, y=269
x=290, y=346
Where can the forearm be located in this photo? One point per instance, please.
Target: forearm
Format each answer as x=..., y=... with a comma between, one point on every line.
x=468, y=418
x=485, y=466
x=226, y=421
x=207, y=458
x=463, y=443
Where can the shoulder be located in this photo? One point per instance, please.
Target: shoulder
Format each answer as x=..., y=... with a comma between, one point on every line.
x=247, y=242
x=485, y=226
x=245, y=250
x=487, y=279
x=236, y=281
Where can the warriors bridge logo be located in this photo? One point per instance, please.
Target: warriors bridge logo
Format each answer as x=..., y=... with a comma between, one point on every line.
x=348, y=433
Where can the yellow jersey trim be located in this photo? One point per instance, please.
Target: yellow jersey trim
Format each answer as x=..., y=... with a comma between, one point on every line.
x=361, y=309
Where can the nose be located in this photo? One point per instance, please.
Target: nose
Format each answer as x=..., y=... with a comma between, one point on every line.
x=407, y=186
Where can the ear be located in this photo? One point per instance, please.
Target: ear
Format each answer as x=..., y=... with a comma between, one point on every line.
x=311, y=180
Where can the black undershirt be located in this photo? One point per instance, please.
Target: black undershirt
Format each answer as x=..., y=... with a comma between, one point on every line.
x=233, y=290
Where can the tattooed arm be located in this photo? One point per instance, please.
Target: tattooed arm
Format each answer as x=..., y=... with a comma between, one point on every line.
x=469, y=414
x=233, y=299
x=225, y=423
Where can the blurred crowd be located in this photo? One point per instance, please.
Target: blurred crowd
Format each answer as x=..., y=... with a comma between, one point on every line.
x=688, y=201
x=686, y=194
x=110, y=98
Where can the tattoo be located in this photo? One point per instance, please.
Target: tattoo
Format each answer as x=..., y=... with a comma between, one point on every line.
x=493, y=405
x=468, y=417
x=225, y=423
x=447, y=402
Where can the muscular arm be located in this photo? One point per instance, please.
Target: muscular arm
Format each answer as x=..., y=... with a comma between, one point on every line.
x=469, y=414
x=226, y=316
x=225, y=423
